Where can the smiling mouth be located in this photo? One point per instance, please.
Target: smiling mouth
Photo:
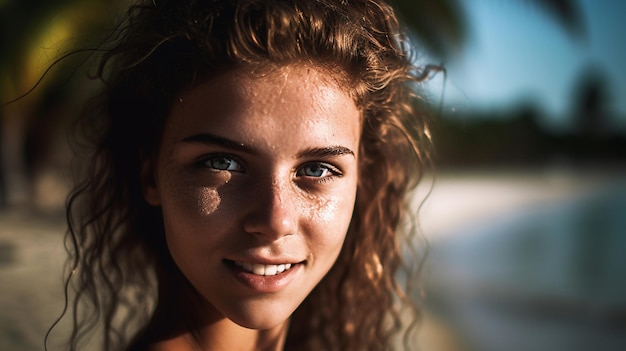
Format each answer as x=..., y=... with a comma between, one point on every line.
x=263, y=269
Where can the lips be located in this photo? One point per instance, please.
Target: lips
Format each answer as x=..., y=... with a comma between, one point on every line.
x=263, y=269
x=265, y=278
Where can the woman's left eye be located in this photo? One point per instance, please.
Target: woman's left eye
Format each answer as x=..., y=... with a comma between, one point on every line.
x=317, y=170
x=223, y=163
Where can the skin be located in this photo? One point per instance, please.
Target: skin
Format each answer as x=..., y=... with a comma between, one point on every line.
x=256, y=169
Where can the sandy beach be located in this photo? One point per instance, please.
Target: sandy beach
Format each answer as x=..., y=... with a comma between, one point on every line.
x=31, y=265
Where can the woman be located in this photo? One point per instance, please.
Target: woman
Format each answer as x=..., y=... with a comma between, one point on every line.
x=247, y=186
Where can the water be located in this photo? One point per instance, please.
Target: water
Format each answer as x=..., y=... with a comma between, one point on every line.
x=552, y=277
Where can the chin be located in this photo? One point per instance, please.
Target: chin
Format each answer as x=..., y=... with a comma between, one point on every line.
x=261, y=324
x=261, y=319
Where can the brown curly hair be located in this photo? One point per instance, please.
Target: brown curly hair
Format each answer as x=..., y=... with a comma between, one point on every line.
x=116, y=239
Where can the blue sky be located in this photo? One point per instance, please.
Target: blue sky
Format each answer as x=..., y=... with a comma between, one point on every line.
x=517, y=52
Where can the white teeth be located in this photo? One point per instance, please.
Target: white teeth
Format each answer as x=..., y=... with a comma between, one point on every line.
x=258, y=269
x=263, y=269
x=271, y=270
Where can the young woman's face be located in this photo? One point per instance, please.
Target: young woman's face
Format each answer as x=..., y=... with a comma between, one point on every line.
x=256, y=177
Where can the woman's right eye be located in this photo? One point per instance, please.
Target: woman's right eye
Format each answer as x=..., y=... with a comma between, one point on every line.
x=223, y=163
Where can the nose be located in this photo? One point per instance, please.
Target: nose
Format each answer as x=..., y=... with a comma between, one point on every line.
x=273, y=213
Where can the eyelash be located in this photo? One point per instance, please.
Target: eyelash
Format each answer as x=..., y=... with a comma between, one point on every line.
x=207, y=162
x=333, y=172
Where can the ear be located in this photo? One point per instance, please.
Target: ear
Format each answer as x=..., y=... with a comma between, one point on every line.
x=148, y=182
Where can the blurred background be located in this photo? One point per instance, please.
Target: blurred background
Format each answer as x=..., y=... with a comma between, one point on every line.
x=525, y=216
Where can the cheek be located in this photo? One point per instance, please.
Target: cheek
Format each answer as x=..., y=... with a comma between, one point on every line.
x=185, y=196
x=208, y=200
x=333, y=210
x=331, y=219
x=189, y=211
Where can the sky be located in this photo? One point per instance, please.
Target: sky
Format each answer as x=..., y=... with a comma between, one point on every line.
x=517, y=52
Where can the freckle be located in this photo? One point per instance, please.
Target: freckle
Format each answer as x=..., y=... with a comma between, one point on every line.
x=325, y=209
x=208, y=200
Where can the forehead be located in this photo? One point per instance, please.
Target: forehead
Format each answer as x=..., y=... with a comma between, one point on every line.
x=319, y=72
x=247, y=104
x=325, y=72
x=298, y=82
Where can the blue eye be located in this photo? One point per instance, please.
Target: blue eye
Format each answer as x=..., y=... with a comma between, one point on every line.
x=223, y=163
x=317, y=170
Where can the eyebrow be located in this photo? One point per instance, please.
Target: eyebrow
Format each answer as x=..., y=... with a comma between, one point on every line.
x=211, y=139
x=325, y=152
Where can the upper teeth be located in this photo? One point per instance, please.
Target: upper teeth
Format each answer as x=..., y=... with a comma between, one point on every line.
x=263, y=269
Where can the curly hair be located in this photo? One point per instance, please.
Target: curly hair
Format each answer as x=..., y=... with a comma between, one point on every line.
x=116, y=239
